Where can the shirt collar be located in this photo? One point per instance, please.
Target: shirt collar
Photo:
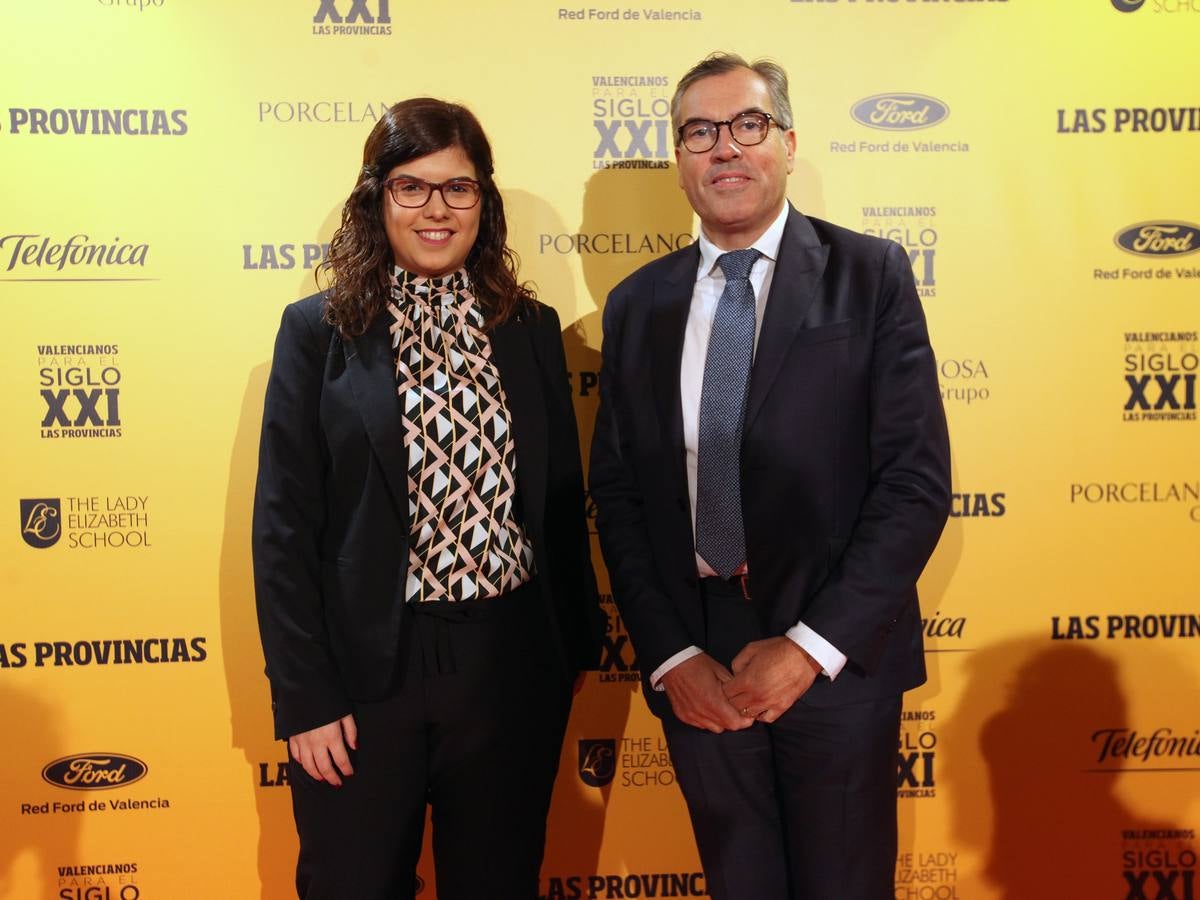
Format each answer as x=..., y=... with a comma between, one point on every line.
x=454, y=285
x=767, y=243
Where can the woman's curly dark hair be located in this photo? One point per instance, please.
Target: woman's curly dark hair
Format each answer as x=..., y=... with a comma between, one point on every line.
x=360, y=257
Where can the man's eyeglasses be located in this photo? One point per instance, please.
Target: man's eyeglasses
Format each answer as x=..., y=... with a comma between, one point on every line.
x=457, y=193
x=747, y=129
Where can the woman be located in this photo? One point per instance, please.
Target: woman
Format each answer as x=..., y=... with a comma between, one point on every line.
x=421, y=565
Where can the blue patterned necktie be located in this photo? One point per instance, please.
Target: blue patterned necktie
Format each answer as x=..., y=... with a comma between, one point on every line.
x=720, y=537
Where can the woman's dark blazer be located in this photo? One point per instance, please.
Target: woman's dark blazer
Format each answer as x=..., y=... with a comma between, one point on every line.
x=330, y=533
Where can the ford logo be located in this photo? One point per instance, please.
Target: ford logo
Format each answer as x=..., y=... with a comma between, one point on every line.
x=94, y=771
x=1160, y=238
x=899, y=112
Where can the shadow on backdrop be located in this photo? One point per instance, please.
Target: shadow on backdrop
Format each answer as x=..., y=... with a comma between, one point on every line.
x=645, y=214
x=249, y=695
x=629, y=217
x=47, y=839
x=1023, y=757
x=251, y=728
x=806, y=190
x=940, y=615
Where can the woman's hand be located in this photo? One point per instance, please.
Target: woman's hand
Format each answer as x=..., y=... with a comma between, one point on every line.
x=322, y=751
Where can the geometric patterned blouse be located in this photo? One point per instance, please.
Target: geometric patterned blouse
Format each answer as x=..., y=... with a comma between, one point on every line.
x=466, y=542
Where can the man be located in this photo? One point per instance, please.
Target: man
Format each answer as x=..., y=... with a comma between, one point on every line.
x=771, y=472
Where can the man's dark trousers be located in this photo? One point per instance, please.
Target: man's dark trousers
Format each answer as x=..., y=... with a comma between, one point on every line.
x=801, y=809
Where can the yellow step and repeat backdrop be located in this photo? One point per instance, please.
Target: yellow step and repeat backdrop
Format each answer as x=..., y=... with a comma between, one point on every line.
x=172, y=172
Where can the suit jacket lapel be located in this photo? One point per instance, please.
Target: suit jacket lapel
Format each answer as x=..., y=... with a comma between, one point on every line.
x=798, y=271
x=373, y=379
x=672, y=302
x=513, y=354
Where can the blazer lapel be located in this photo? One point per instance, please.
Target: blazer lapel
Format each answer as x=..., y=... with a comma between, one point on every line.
x=798, y=272
x=672, y=302
x=513, y=353
x=373, y=379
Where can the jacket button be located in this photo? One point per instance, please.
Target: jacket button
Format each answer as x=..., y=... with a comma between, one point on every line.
x=681, y=503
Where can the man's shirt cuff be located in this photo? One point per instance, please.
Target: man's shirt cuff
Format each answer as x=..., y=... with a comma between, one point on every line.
x=831, y=659
x=672, y=661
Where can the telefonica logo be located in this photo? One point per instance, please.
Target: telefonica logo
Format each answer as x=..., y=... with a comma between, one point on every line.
x=1160, y=238
x=1128, y=5
x=94, y=771
x=899, y=112
x=36, y=257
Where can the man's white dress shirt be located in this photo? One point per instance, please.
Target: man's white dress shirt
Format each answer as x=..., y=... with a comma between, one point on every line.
x=710, y=282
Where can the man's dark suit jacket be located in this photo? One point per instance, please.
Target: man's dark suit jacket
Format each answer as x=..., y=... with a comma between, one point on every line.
x=331, y=529
x=845, y=458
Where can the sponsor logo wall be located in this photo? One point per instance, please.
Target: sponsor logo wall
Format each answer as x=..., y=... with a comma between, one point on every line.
x=173, y=177
x=131, y=122
x=906, y=116
x=632, y=118
x=352, y=18
x=89, y=523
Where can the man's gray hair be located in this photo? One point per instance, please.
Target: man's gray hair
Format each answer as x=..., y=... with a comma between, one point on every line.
x=721, y=62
